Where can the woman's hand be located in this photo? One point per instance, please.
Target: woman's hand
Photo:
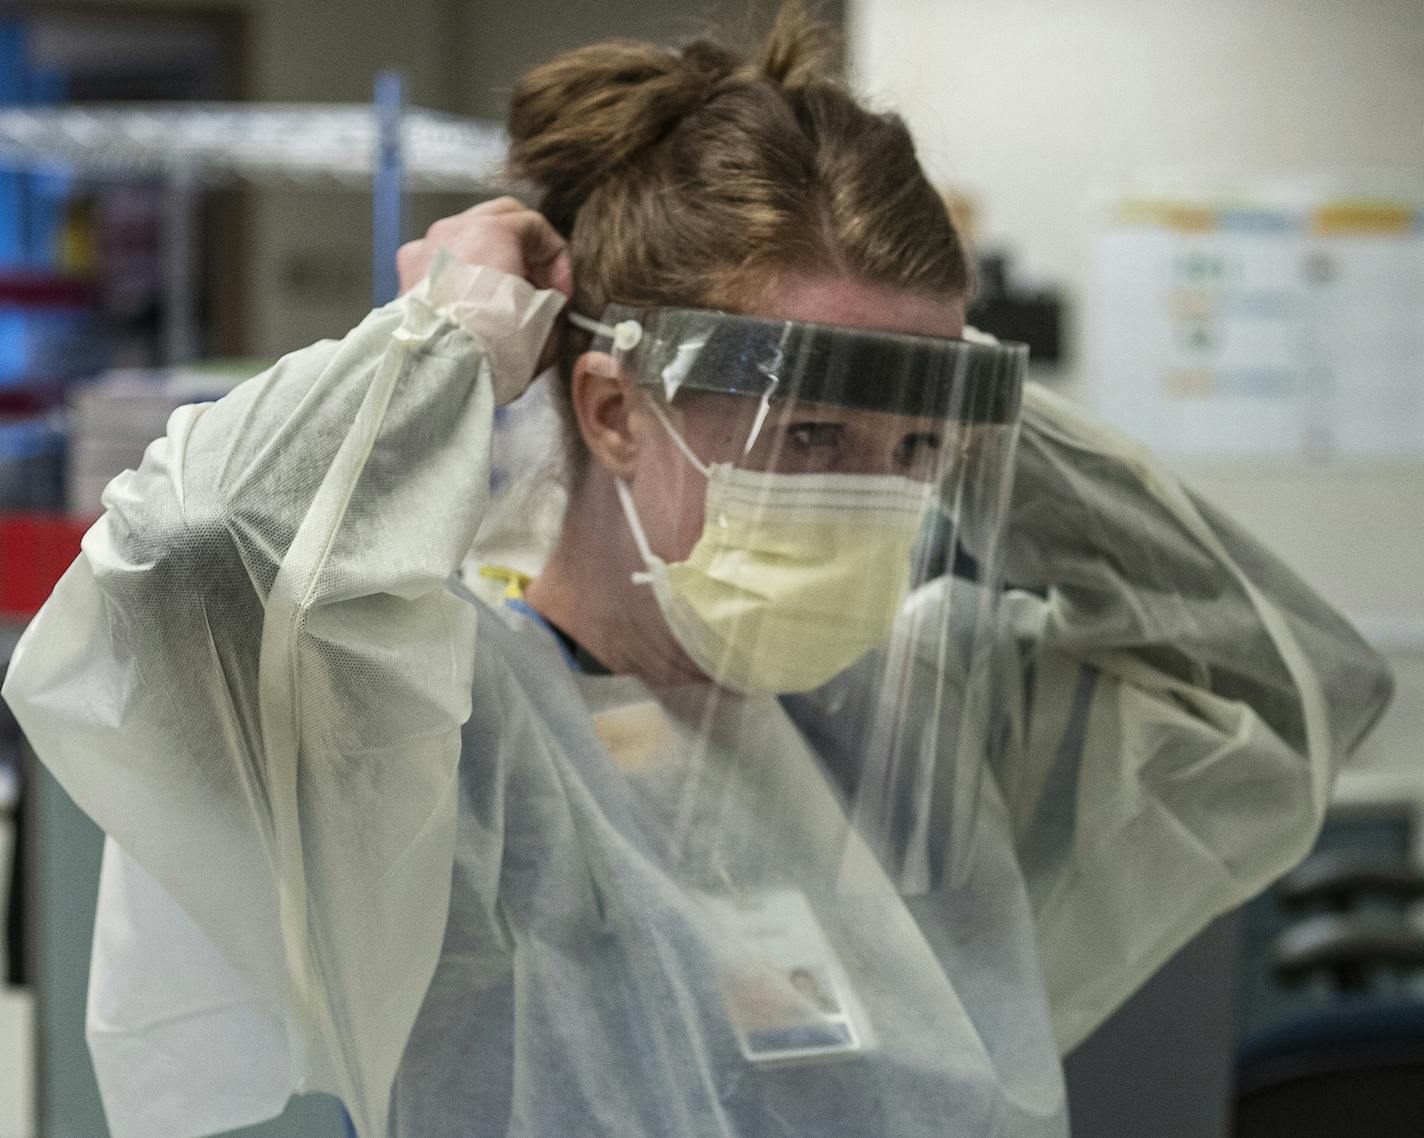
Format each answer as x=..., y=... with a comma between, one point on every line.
x=504, y=234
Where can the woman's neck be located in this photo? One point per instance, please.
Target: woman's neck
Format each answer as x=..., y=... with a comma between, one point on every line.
x=586, y=588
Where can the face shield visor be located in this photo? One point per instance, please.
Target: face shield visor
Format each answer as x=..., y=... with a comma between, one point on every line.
x=835, y=497
x=827, y=474
x=820, y=531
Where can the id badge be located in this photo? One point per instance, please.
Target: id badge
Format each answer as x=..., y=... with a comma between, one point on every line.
x=787, y=996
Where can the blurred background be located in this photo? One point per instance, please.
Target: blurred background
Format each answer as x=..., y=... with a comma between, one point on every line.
x=1207, y=221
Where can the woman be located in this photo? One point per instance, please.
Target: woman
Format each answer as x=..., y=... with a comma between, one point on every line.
x=738, y=818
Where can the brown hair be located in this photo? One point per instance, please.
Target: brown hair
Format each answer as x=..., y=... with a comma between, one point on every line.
x=690, y=178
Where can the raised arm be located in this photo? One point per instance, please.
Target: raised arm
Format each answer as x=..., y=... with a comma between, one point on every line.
x=253, y=677
x=1184, y=702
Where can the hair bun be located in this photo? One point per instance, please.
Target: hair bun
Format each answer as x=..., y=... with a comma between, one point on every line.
x=589, y=111
x=799, y=50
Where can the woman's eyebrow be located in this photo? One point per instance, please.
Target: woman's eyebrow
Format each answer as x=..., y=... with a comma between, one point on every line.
x=820, y=425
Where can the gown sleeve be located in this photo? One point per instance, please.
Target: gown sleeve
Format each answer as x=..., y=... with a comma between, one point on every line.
x=253, y=678
x=1183, y=702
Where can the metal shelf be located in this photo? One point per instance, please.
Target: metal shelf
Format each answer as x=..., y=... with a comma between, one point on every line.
x=383, y=146
x=261, y=144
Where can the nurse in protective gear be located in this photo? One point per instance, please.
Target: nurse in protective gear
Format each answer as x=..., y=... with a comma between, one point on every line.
x=746, y=814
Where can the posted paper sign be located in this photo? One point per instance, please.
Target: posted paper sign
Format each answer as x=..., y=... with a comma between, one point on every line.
x=1251, y=332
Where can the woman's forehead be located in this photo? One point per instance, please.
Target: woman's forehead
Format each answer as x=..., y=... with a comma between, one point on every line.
x=855, y=303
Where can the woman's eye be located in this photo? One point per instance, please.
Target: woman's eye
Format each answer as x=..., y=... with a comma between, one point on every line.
x=916, y=449
x=810, y=436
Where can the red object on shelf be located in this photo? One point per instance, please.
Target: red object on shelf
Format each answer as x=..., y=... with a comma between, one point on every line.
x=22, y=288
x=35, y=550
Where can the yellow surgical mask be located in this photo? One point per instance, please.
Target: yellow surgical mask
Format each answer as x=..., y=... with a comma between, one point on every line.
x=795, y=576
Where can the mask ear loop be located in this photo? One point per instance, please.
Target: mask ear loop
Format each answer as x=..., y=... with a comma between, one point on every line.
x=640, y=539
x=681, y=443
x=625, y=496
x=627, y=335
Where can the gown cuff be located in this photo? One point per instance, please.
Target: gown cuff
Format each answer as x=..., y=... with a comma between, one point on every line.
x=506, y=313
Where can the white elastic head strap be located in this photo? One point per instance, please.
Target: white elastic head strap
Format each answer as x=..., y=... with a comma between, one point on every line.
x=626, y=334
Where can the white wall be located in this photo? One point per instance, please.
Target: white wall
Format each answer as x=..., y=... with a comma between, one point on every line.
x=1037, y=105
x=1043, y=109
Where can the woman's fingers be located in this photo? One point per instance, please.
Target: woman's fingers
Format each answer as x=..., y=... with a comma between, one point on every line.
x=556, y=273
x=506, y=204
x=502, y=233
x=413, y=262
x=544, y=252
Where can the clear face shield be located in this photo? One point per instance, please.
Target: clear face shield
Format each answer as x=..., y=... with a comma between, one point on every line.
x=821, y=542
x=836, y=472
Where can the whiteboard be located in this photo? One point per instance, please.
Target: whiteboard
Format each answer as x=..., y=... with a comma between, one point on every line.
x=1251, y=331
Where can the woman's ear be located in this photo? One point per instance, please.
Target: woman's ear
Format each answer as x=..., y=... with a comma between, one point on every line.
x=606, y=405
